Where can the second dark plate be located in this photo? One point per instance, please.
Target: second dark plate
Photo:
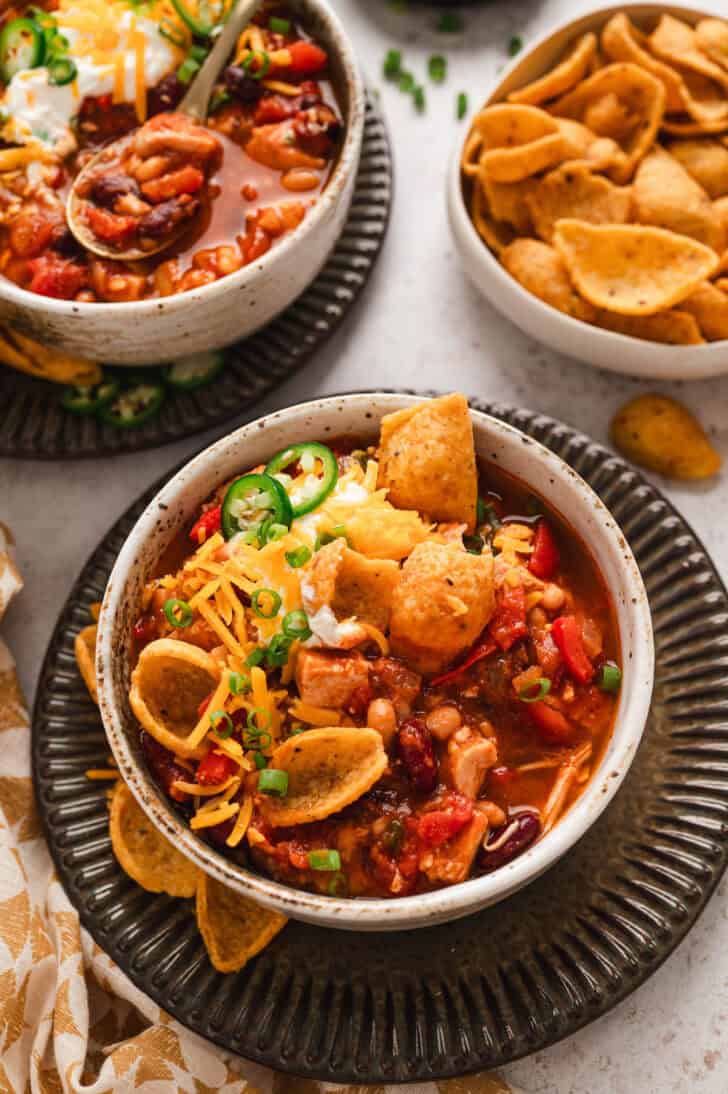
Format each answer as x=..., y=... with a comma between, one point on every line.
x=480, y=992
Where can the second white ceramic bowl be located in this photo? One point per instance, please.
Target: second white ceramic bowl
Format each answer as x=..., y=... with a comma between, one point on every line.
x=358, y=416
x=151, y=331
x=587, y=343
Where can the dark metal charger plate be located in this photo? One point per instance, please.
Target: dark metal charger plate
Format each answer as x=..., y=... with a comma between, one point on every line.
x=33, y=426
x=482, y=991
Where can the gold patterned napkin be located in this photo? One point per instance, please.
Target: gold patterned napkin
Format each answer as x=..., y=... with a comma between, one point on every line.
x=70, y=1020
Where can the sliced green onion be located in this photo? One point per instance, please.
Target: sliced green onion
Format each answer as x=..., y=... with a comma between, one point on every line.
x=260, y=760
x=273, y=781
x=263, y=56
x=278, y=25
x=392, y=64
x=406, y=82
x=221, y=718
x=274, y=532
x=256, y=713
x=610, y=677
x=187, y=70
x=277, y=653
x=172, y=33
x=258, y=739
x=254, y=658
x=298, y=558
x=515, y=45
x=324, y=860
x=238, y=683
x=337, y=532
x=178, y=613
x=419, y=98
x=198, y=53
x=437, y=68
x=450, y=23
x=61, y=71
x=461, y=107
x=295, y=625
x=338, y=886
x=527, y=695
x=275, y=603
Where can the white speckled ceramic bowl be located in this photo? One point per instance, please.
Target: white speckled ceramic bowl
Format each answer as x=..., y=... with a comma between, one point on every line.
x=358, y=415
x=587, y=343
x=150, y=331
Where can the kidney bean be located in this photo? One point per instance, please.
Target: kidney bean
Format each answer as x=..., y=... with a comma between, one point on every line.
x=241, y=85
x=107, y=188
x=163, y=218
x=67, y=245
x=526, y=829
x=164, y=768
x=166, y=95
x=417, y=754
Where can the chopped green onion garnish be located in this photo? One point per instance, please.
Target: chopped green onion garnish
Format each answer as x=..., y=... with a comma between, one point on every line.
x=198, y=53
x=253, y=719
x=178, y=613
x=338, y=886
x=222, y=723
x=275, y=531
x=462, y=105
x=610, y=677
x=238, y=683
x=337, y=532
x=278, y=25
x=263, y=57
x=515, y=45
x=406, y=82
x=254, y=658
x=260, y=760
x=392, y=64
x=450, y=22
x=437, y=68
x=295, y=625
x=278, y=650
x=298, y=558
x=419, y=98
x=324, y=860
x=273, y=781
x=274, y=603
x=527, y=694
x=187, y=70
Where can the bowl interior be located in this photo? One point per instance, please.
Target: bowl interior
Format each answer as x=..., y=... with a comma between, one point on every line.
x=496, y=443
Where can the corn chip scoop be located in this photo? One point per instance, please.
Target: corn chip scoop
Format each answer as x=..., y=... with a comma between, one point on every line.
x=706, y=161
x=234, y=929
x=32, y=357
x=517, y=141
x=327, y=770
x=666, y=196
x=563, y=77
x=143, y=853
x=352, y=585
x=576, y=192
x=169, y=682
x=541, y=270
x=661, y=434
x=84, y=648
x=711, y=36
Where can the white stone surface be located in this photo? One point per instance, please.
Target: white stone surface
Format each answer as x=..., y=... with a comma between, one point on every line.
x=421, y=325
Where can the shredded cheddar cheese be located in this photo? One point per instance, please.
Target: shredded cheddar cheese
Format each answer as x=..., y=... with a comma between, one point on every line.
x=217, y=816
x=241, y=823
x=314, y=716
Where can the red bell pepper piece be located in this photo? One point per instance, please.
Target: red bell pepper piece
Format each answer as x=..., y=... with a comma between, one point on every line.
x=208, y=523
x=482, y=648
x=567, y=636
x=305, y=58
x=214, y=769
x=509, y=621
x=545, y=559
x=551, y=723
x=441, y=825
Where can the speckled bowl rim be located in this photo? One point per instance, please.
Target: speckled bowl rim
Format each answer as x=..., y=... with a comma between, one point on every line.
x=346, y=165
x=633, y=615
x=670, y=362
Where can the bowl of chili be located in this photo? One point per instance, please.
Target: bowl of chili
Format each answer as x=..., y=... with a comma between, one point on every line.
x=263, y=219
x=612, y=673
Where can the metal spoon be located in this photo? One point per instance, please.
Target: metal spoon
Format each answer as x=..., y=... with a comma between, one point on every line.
x=194, y=105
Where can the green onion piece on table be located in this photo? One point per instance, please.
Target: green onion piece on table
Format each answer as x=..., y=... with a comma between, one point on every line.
x=515, y=45
x=437, y=68
x=450, y=23
x=461, y=108
x=419, y=98
x=392, y=64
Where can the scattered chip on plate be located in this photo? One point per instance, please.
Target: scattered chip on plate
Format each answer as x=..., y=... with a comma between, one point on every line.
x=233, y=928
x=661, y=434
x=143, y=852
x=84, y=648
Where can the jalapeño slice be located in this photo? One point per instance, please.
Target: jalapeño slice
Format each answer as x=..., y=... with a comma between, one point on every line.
x=22, y=46
x=250, y=501
x=133, y=406
x=306, y=454
x=86, y=400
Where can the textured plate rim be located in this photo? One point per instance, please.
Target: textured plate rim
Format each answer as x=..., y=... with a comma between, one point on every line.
x=609, y=995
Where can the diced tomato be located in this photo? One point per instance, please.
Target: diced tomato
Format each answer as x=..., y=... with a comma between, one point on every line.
x=501, y=776
x=360, y=699
x=545, y=558
x=275, y=108
x=551, y=724
x=109, y=226
x=509, y=621
x=254, y=244
x=54, y=276
x=306, y=58
x=567, y=636
x=30, y=233
x=206, y=525
x=188, y=180
x=145, y=630
x=483, y=648
x=441, y=825
x=214, y=769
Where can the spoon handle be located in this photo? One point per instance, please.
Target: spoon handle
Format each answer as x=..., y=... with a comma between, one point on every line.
x=195, y=101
